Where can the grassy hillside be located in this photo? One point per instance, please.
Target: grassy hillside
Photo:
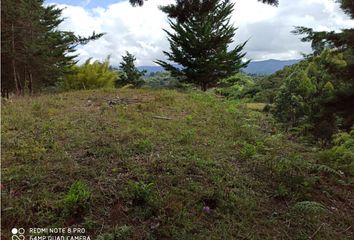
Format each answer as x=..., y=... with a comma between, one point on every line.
x=139, y=164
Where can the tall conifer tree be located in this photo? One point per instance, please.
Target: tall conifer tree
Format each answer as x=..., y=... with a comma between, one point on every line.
x=201, y=36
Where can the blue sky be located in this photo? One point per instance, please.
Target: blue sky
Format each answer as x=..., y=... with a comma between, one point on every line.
x=139, y=30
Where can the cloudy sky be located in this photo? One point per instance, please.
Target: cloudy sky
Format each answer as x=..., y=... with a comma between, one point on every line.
x=139, y=29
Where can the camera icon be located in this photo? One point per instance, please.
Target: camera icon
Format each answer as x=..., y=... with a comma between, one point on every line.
x=18, y=234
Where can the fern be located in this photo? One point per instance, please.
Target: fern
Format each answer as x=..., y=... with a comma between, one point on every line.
x=309, y=207
x=91, y=76
x=320, y=168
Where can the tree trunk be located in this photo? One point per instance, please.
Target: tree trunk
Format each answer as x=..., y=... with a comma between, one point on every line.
x=21, y=89
x=204, y=87
x=30, y=84
x=18, y=90
x=25, y=77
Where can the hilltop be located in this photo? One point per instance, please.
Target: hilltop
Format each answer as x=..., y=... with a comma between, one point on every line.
x=148, y=164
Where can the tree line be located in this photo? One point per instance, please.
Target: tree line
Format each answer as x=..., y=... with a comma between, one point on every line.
x=34, y=52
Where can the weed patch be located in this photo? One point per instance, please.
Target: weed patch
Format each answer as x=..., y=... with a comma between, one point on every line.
x=77, y=200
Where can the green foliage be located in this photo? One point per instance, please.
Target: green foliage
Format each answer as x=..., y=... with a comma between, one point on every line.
x=281, y=192
x=303, y=97
x=309, y=208
x=77, y=200
x=324, y=169
x=289, y=172
x=130, y=74
x=248, y=150
x=238, y=86
x=90, y=76
x=36, y=106
x=34, y=52
x=199, y=42
x=341, y=155
x=188, y=136
x=141, y=194
x=266, y=88
x=143, y=146
x=337, y=83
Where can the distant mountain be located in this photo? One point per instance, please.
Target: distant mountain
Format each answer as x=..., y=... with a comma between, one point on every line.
x=151, y=69
x=266, y=67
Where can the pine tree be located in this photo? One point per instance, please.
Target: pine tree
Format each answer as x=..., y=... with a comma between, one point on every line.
x=200, y=41
x=130, y=74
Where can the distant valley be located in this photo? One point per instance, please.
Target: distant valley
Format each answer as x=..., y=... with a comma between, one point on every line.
x=265, y=67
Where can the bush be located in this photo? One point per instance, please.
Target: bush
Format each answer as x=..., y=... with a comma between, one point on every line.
x=90, y=76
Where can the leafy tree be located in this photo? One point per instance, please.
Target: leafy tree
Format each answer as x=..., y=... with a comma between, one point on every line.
x=266, y=88
x=199, y=43
x=130, y=74
x=90, y=76
x=343, y=43
x=34, y=52
x=302, y=98
x=339, y=41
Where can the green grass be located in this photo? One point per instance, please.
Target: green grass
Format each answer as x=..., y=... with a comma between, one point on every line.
x=163, y=165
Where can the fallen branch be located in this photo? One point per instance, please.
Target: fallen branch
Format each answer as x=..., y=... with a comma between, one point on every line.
x=164, y=118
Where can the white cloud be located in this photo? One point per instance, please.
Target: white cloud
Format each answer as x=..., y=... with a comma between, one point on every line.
x=139, y=29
